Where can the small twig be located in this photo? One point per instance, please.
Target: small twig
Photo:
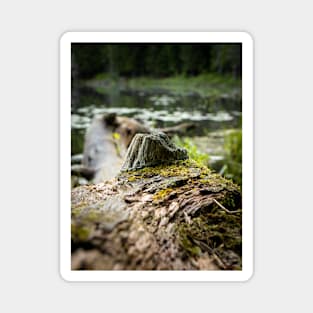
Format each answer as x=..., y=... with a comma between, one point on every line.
x=219, y=262
x=222, y=207
x=187, y=218
x=217, y=259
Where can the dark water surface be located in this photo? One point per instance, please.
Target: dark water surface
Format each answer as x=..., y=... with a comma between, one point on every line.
x=156, y=108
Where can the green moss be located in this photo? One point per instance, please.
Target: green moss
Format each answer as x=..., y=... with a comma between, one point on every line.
x=204, y=171
x=162, y=194
x=213, y=232
x=79, y=232
x=212, y=179
x=178, y=168
x=184, y=172
x=166, y=171
x=132, y=178
x=189, y=247
x=76, y=211
x=93, y=216
x=232, y=202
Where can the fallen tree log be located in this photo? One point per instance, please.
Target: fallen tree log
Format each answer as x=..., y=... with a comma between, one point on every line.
x=174, y=216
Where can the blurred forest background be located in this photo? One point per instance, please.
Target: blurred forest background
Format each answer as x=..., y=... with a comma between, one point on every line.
x=163, y=85
x=156, y=60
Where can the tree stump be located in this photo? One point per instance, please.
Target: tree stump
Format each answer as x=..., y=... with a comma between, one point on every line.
x=152, y=149
x=162, y=212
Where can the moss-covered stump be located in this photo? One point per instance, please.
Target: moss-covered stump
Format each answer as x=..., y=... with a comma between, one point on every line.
x=170, y=217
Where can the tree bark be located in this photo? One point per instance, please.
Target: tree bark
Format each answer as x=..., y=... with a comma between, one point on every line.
x=173, y=216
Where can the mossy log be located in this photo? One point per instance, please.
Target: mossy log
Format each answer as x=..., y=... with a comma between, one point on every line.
x=174, y=216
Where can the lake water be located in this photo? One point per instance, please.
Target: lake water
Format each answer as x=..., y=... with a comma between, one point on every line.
x=159, y=108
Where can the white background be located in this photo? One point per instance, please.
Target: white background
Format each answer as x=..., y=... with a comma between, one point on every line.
x=29, y=74
x=65, y=152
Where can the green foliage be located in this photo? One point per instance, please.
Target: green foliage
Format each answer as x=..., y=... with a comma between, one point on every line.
x=227, y=58
x=210, y=85
x=233, y=148
x=77, y=141
x=87, y=59
x=155, y=60
x=206, y=85
x=193, y=152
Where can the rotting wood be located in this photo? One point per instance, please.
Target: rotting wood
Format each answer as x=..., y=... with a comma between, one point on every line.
x=165, y=217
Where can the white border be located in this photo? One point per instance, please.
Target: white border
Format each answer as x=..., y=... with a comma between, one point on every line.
x=247, y=152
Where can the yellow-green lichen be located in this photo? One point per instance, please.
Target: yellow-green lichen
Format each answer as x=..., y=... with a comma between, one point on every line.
x=178, y=168
x=132, y=178
x=213, y=179
x=76, y=211
x=162, y=194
